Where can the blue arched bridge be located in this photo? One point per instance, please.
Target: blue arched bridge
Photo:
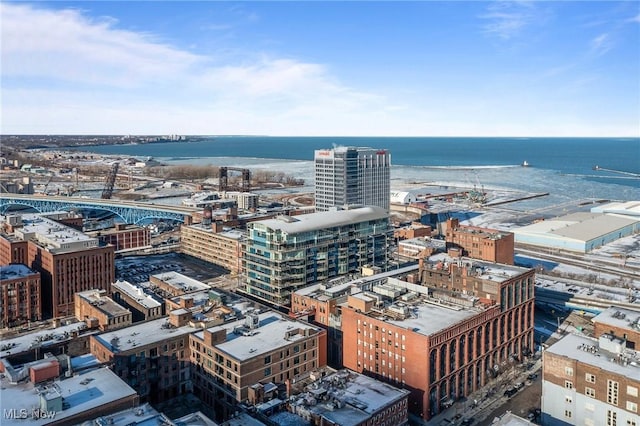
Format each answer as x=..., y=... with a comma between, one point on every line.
x=129, y=211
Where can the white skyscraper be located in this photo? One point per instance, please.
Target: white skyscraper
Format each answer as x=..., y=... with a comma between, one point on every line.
x=352, y=176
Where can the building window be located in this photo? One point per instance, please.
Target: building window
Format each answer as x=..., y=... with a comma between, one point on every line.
x=567, y=413
x=632, y=406
x=590, y=378
x=589, y=406
x=568, y=371
x=633, y=391
x=267, y=371
x=612, y=418
x=612, y=392
x=632, y=422
x=589, y=422
x=267, y=359
x=568, y=399
x=568, y=384
x=590, y=392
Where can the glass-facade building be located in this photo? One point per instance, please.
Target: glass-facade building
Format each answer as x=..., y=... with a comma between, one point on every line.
x=352, y=176
x=287, y=253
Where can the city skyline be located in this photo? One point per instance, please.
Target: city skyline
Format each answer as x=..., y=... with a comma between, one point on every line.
x=321, y=68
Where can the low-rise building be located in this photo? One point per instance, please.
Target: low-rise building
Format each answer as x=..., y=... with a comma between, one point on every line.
x=96, y=309
x=480, y=243
x=347, y=398
x=171, y=284
x=66, y=400
x=591, y=382
x=143, y=306
x=125, y=237
x=261, y=348
x=20, y=295
x=211, y=243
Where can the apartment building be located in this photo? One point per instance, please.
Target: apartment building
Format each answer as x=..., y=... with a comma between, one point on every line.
x=264, y=347
x=352, y=176
x=287, y=253
x=210, y=242
x=445, y=336
x=125, y=237
x=594, y=381
x=20, y=296
x=480, y=243
x=151, y=357
x=68, y=260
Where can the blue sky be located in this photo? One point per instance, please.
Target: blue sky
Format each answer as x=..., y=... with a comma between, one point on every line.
x=352, y=68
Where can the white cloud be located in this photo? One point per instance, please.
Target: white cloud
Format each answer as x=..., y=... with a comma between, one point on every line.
x=601, y=44
x=507, y=19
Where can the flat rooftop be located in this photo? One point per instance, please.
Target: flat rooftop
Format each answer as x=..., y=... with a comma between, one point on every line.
x=147, y=333
x=581, y=227
x=181, y=282
x=352, y=398
x=428, y=319
x=83, y=392
x=14, y=271
x=136, y=293
x=321, y=220
x=53, y=235
x=627, y=319
x=270, y=335
x=103, y=303
x=228, y=233
x=40, y=338
x=588, y=351
x=496, y=272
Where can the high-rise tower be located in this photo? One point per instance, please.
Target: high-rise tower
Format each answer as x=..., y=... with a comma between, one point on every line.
x=352, y=176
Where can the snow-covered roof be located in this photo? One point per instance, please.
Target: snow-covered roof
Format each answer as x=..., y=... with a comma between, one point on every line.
x=40, y=338
x=274, y=331
x=136, y=293
x=14, y=271
x=142, y=334
x=321, y=220
x=588, y=351
x=86, y=391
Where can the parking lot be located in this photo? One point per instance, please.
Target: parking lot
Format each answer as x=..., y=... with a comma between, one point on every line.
x=137, y=269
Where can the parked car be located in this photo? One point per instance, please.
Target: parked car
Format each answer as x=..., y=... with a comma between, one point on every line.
x=467, y=422
x=510, y=392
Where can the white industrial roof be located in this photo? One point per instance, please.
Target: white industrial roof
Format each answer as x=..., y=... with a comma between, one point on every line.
x=578, y=226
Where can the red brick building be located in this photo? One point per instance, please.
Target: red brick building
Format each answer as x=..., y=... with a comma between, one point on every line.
x=68, y=260
x=20, y=295
x=480, y=243
x=125, y=237
x=444, y=337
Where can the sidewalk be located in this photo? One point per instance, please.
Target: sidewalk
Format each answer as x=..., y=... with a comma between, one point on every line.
x=481, y=403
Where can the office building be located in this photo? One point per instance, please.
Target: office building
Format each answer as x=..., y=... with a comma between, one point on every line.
x=19, y=295
x=69, y=261
x=287, y=253
x=352, y=176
